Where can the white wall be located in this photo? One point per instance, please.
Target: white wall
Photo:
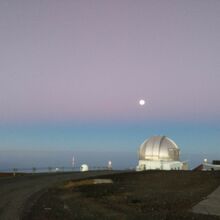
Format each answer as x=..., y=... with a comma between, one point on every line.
x=159, y=165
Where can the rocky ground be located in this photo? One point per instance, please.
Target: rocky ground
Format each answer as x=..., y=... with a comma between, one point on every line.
x=19, y=193
x=137, y=195
x=4, y=174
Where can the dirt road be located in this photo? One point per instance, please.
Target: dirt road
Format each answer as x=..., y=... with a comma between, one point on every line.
x=16, y=191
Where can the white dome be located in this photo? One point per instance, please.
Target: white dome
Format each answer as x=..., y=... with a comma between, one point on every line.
x=159, y=148
x=84, y=167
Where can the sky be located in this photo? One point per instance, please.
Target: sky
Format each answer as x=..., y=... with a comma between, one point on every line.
x=72, y=73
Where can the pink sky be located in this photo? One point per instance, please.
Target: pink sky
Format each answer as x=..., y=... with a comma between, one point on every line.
x=86, y=60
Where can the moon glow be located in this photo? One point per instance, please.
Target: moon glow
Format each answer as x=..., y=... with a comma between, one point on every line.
x=141, y=102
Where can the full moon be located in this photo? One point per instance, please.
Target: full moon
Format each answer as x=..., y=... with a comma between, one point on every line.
x=141, y=102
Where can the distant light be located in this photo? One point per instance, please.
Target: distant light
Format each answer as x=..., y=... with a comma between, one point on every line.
x=110, y=165
x=142, y=102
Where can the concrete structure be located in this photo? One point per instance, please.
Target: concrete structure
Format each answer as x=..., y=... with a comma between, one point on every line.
x=84, y=168
x=210, y=205
x=159, y=153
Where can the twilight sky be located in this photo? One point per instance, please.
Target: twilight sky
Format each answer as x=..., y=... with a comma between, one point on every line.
x=69, y=69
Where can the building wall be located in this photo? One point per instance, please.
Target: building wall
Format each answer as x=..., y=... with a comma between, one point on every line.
x=159, y=165
x=209, y=166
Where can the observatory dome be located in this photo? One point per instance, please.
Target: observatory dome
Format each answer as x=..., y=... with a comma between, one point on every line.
x=84, y=168
x=159, y=148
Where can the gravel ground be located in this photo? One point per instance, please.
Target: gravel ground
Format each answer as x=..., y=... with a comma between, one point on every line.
x=17, y=194
x=143, y=195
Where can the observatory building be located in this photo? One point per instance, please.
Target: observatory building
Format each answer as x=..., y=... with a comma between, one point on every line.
x=160, y=153
x=84, y=168
x=215, y=165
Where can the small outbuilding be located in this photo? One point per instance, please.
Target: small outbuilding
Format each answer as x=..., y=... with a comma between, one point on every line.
x=215, y=165
x=84, y=168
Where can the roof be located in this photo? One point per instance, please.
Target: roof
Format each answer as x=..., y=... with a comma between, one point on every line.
x=159, y=148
